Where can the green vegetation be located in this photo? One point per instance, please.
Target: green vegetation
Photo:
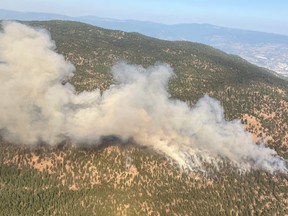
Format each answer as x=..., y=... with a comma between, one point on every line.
x=242, y=88
x=105, y=182
x=135, y=181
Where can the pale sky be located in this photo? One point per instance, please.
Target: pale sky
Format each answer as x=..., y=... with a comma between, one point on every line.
x=261, y=15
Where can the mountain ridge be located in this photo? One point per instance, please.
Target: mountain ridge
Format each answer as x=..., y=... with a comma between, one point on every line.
x=42, y=16
x=263, y=49
x=119, y=180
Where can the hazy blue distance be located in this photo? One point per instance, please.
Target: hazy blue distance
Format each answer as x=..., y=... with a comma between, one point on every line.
x=259, y=15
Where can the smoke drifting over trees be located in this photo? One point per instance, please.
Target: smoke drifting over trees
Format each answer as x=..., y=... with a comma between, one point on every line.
x=36, y=106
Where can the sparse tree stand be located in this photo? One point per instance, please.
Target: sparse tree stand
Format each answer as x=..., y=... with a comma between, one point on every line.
x=95, y=182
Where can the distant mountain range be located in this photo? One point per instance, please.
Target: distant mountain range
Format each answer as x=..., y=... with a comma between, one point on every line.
x=263, y=49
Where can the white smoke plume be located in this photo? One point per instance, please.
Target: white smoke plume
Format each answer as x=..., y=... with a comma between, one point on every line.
x=36, y=106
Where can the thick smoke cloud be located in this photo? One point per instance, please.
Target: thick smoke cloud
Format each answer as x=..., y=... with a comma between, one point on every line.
x=36, y=106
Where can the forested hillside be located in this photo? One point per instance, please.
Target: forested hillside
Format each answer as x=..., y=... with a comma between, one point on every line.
x=126, y=179
x=246, y=91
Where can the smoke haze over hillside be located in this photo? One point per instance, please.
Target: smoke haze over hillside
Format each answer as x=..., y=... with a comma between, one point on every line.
x=36, y=106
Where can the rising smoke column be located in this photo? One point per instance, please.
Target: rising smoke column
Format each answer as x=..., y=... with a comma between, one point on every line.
x=35, y=107
x=32, y=97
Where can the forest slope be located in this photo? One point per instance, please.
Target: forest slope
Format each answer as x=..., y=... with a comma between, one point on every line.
x=117, y=179
x=246, y=91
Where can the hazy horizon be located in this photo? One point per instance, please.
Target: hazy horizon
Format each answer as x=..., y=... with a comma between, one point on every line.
x=264, y=16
